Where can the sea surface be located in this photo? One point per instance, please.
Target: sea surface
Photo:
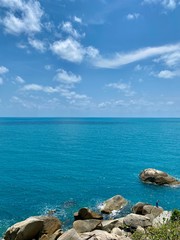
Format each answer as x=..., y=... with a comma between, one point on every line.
x=69, y=163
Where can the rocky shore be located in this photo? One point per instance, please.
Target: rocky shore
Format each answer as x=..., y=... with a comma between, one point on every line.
x=92, y=225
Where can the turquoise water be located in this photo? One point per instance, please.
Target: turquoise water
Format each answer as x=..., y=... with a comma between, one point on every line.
x=65, y=164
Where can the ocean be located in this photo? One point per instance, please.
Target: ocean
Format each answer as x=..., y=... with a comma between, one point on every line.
x=69, y=163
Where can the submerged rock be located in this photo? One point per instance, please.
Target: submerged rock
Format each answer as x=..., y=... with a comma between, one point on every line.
x=158, y=177
x=115, y=203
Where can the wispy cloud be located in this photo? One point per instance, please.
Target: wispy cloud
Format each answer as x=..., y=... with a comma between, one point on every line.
x=170, y=59
x=37, y=87
x=3, y=70
x=67, y=77
x=37, y=44
x=123, y=87
x=72, y=97
x=68, y=28
x=120, y=59
x=20, y=80
x=21, y=17
x=167, y=4
x=133, y=16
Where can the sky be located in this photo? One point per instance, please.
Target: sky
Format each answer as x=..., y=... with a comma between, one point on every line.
x=89, y=58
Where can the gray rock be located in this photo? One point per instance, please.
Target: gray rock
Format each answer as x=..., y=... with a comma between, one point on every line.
x=50, y=224
x=33, y=227
x=145, y=208
x=102, y=235
x=117, y=231
x=158, y=177
x=70, y=235
x=140, y=229
x=135, y=220
x=25, y=230
x=89, y=225
x=86, y=213
x=115, y=203
x=108, y=225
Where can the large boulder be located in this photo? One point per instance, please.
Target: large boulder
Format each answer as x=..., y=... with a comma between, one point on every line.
x=38, y=227
x=145, y=208
x=158, y=177
x=115, y=203
x=86, y=213
x=25, y=230
x=134, y=220
x=89, y=225
x=102, y=235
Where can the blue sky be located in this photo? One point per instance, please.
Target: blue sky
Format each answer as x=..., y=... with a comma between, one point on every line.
x=90, y=58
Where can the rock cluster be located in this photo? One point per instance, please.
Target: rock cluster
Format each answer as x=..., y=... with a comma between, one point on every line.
x=158, y=177
x=91, y=225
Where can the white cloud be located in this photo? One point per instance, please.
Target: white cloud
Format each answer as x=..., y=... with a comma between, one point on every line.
x=67, y=77
x=1, y=81
x=68, y=28
x=133, y=16
x=171, y=59
x=77, y=19
x=68, y=49
x=71, y=96
x=20, y=80
x=123, y=87
x=167, y=4
x=37, y=44
x=36, y=87
x=120, y=59
x=21, y=16
x=166, y=74
x=92, y=52
x=3, y=70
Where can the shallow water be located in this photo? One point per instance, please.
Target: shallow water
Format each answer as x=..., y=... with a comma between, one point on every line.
x=69, y=163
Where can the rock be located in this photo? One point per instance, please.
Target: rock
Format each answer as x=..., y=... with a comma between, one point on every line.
x=70, y=235
x=108, y=225
x=145, y=208
x=89, y=225
x=56, y=234
x=135, y=220
x=138, y=208
x=86, y=213
x=40, y=226
x=140, y=229
x=50, y=224
x=115, y=203
x=158, y=177
x=25, y=230
x=102, y=235
x=162, y=218
x=117, y=231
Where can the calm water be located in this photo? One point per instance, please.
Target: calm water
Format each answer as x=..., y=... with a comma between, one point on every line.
x=65, y=164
